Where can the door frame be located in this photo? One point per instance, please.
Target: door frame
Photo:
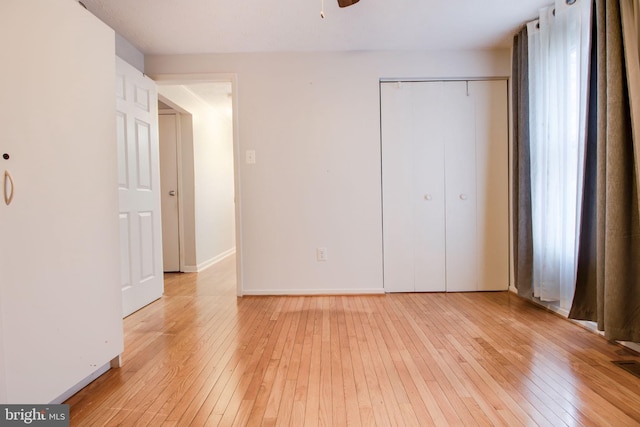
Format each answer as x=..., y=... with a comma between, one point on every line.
x=186, y=79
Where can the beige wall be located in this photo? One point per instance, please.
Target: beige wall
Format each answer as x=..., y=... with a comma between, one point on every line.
x=314, y=121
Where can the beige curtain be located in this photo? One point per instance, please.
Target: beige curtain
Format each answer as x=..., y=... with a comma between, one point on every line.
x=608, y=283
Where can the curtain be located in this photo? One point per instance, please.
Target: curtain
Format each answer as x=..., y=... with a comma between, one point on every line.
x=523, y=248
x=630, y=14
x=586, y=278
x=608, y=280
x=558, y=75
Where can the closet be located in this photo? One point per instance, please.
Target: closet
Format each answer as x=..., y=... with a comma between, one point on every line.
x=445, y=185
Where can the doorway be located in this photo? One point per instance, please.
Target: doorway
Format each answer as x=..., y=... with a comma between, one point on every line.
x=199, y=115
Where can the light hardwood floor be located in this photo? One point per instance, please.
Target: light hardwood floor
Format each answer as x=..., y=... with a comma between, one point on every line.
x=200, y=356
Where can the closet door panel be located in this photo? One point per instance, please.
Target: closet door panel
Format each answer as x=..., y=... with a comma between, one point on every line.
x=460, y=183
x=492, y=174
x=428, y=187
x=397, y=180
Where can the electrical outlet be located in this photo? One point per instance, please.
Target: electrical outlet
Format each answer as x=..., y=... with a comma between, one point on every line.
x=321, y=254
x=250, y=157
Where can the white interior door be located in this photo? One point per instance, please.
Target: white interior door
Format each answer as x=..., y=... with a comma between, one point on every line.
x=141, y=272
x=168, y=132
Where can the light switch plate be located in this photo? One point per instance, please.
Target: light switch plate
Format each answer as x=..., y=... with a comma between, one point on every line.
x=321, y=254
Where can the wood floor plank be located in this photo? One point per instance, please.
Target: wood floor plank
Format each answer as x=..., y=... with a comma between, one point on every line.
x=483, y=408
x=302, y=376
x=360, y=382
x=351, y=405
x=557, y=375
x=284, y=365
x=172, y=394
x=200, y=356
x=312, y=390
x=235, y=362
x=429, y=408
x=190, y=401
x=378, y=407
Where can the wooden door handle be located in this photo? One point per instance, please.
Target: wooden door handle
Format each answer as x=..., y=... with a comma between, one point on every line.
x=8, y=196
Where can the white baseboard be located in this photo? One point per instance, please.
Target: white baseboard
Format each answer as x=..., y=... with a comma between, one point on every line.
x=553, y=307
x=632, y=345
x=210, y=262
x=313, y=292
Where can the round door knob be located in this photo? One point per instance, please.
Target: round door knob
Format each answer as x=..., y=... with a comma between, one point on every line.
x=428, y=197
x=463, y=196
x=172, y=193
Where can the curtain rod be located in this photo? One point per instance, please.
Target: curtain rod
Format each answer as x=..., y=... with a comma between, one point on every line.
x=537, y=20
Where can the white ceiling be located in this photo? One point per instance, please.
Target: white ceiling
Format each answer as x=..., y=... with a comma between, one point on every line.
x=216, y=26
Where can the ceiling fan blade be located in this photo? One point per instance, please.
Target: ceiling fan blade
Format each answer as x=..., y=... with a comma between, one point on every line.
x=345, y=3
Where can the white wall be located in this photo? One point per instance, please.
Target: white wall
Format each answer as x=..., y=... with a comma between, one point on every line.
x=213, y=175
x=314, y=121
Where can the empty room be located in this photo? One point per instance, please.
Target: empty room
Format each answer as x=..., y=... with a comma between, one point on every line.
x=320, y=212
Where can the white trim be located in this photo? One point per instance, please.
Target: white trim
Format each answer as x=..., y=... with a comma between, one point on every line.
x=440, y=79
x=181, y=245
x=210, y=262
x=238, y=185
x=632, y=345
x=554, y=308
x=314, y=292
